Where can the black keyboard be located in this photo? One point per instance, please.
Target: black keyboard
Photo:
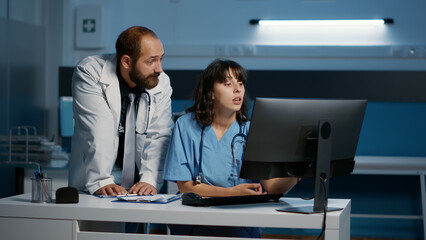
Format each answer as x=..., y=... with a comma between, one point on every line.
x=193, y=199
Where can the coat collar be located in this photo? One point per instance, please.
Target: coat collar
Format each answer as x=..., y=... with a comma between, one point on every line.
x=109, y=75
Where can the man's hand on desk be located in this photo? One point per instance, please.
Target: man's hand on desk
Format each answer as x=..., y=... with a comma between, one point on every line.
x=111, y=190
x=143, y=188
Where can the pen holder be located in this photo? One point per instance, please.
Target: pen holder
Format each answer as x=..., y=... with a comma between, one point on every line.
x=41, y=190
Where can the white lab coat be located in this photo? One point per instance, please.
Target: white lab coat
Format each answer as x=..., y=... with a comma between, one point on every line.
x=96, y=107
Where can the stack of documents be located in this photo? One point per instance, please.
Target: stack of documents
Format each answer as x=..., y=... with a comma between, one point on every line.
x=159, y=198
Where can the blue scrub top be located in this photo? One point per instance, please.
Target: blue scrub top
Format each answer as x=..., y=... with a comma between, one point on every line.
x=218, y=167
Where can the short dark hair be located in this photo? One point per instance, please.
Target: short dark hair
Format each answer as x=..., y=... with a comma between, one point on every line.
x=129, y=41
x=203, y=101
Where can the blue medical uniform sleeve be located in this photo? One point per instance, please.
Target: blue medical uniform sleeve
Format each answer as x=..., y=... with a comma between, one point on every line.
x=179, y=160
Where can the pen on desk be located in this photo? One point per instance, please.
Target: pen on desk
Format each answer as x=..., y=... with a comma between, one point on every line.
x=41, y=172
x=43, y=183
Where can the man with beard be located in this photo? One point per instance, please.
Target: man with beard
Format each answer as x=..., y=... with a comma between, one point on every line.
x=122, y=116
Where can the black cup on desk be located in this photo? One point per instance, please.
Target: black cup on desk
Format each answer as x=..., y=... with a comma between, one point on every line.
x=67, y=195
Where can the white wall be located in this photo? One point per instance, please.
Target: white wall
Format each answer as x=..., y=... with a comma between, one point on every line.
x=3, y=8
x=196, y=31
x=23, y=61
x=22, y=73
x=27, y=11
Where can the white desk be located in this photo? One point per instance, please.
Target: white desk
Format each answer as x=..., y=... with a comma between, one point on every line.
x=21, y=219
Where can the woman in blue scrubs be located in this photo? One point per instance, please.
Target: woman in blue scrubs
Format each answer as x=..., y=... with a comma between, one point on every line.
x=207, y=146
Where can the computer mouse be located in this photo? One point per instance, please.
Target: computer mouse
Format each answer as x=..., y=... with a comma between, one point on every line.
x=191, y=198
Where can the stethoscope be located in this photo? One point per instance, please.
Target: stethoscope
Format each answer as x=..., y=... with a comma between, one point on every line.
x=197, y=165
x=148, y=110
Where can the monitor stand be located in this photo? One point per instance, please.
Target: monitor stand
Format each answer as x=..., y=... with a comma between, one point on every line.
x=322, y=173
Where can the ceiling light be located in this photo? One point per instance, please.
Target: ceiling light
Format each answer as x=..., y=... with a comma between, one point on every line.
x=329, y=22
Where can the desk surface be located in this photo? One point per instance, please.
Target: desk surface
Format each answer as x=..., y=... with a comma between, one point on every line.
x=97, y=209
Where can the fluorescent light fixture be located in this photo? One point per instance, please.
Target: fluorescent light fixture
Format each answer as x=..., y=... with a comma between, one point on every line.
x=333, y=22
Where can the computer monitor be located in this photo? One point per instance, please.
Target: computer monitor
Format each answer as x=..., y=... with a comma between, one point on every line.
x=303, y=138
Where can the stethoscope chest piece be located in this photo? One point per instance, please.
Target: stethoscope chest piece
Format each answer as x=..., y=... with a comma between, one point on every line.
x=198, y=179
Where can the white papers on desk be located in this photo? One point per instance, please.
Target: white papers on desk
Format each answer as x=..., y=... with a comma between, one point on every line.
x=159, y=198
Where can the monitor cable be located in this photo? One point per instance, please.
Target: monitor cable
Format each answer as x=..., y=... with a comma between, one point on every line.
x=298, y=191
x=321, y=235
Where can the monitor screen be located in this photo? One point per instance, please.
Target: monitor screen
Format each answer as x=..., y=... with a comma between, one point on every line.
x=283, y=136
